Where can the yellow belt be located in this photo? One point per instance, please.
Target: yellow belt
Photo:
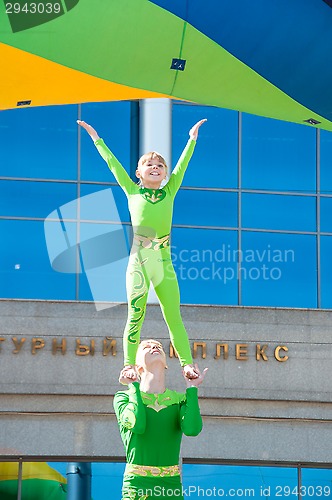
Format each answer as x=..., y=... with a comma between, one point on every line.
x=152, y=243
x=152, y=470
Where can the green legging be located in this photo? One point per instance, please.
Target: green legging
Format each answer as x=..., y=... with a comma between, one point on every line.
x=151, y=213
x=147, y=265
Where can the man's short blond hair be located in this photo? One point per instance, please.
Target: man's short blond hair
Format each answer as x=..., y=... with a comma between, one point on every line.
x=142, y=344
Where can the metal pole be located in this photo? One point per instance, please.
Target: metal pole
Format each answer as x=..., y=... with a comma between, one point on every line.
x=19, y=481
x=79, y=481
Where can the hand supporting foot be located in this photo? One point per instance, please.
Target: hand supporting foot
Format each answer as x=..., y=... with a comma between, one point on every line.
x=128, y=375
x=195, y=382
x=190, y=372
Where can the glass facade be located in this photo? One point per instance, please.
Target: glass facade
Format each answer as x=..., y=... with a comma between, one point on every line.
x=251, y=221
x=48, y=480
x=271, y=195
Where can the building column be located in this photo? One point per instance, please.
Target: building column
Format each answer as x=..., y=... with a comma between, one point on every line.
x=155, y=127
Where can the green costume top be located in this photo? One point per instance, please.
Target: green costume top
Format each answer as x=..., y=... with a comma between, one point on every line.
x=151, y=210
x=151, y=425
x=151, y=213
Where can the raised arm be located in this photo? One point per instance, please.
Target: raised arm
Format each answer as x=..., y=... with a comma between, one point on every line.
x=176, y=178
x=190, y=416
x=129, y=409
x=114, y=165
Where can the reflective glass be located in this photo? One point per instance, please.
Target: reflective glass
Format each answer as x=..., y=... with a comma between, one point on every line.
x=326, y=271
x=325, y=215
x=232, y=481
x=103, y=203
x=106, y=478
x=316, y=483
x=39, y=142
x=104, y=247
x=104, y=253
x=215, y=159
x=205, y=208
x=25, y=269
x=41, y=480
x=326, y=161
x=278, y=155
x=286, y=212
x=8, y=480
x=34, y=199
x=278, y=270
x=49, y=479
x=205, y=261
x=112, y=122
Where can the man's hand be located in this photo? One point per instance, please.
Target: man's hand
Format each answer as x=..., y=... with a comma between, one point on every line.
x=195, y=382
x=128, y=375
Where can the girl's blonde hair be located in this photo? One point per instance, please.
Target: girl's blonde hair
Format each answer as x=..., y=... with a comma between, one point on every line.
x=149, y=156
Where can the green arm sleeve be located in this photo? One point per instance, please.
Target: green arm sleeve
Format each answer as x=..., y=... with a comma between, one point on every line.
x=115, y=166
x=129, y=409
x=182, y=347
x=190, y=417
x=176, y=178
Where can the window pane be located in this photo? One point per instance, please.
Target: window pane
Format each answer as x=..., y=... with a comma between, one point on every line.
x=268, y=211
x=107, y=477
x=205, y=263
x=231, y=481
x=326, y=161
x=278, y=155
x=326, y=271
x=49, y=480
x=34, y=199
x=214, y=162
x=278, y=270
x=41, y=480
x=8, y=479
x=112, y=122
x=103, y=203
x=39, y=142
x=205, y=208
x=25, y=269
x=104, y=252
x=325, y=215
x=316, y=483
x=104, y=248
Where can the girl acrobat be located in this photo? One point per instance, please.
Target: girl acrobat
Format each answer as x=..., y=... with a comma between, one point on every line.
x=151, y=209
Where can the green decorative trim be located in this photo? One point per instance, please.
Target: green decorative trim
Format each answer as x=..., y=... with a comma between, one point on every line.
x=152, y=195
x=151, y=243
x=152, y=470
x=158, y=402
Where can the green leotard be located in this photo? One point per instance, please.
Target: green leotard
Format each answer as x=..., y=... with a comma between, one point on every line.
x=151, y=428
x=151, y=213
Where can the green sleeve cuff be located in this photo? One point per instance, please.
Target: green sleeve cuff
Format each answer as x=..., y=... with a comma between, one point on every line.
x=133, y=387
x=192, y=391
